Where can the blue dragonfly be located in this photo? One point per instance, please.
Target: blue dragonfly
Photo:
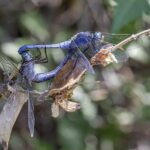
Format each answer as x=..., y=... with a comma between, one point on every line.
x=83, y=44
x=81, y=48
x=77, y=45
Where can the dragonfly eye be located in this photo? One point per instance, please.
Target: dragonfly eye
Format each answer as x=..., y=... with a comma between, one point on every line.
x=97, y=35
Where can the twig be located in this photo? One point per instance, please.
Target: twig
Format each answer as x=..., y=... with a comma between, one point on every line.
x=129, y=39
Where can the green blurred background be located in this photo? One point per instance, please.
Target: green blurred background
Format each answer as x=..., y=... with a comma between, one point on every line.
x=115, y=102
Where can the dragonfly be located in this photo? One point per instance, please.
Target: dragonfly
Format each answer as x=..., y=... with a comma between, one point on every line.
x=73, y=46
x=83, y=44
x=80, y=49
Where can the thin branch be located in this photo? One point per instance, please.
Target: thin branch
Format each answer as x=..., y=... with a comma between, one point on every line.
x=129, y=39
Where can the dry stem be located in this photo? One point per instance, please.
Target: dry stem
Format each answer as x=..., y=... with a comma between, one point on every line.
x=129, y=39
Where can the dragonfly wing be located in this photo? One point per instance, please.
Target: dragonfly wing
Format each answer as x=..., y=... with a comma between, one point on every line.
x=114, y=38
x=120, y=55
x=84, y=61
x=79, y=61
x=31, y=118
x=80, y=45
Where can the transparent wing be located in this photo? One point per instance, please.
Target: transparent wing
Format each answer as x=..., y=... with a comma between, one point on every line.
x=120, y=55
x=108, y=39
x=69, y=72
x=80, y=58
x=79, y=62
x=31, y=118
x=78, y=54
x=114, y=38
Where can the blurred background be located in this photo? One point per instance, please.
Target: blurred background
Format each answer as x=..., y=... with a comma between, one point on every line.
x=115, y=102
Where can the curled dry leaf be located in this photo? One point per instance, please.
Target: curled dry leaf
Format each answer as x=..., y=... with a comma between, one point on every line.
x=104, y=56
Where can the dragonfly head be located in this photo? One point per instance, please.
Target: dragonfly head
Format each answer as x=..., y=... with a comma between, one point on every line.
x=97, y=36
x=97, y=41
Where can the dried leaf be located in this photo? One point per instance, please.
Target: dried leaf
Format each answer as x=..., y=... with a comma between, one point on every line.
x=64, y=83
x=104, y=56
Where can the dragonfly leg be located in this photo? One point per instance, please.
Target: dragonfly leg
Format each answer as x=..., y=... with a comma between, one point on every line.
x=40, y=77
x=38, y=56
x=39, y=59
x=45, y=59
x=27, y=69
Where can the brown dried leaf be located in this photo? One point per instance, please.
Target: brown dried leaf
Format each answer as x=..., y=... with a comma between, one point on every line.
x=64, y=83
x=104, y=56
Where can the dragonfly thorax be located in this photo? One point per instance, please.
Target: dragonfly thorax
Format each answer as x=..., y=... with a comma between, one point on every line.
x=81, y=40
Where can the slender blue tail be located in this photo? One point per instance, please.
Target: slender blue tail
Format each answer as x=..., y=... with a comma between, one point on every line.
x=62, y=45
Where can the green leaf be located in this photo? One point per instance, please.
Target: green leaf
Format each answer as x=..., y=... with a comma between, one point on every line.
x=127, y=11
